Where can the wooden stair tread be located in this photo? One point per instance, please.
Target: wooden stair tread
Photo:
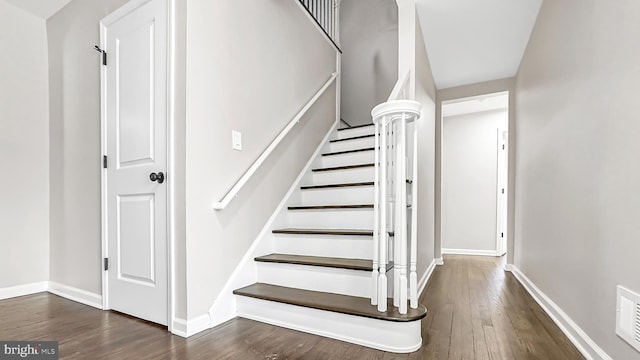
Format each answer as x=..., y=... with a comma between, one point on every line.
x=350, y=305
x=356, y=232
x=352, y=138
x=347, y=167
x=331, y=262
x=330, y=207
x=355, y=127
x=326, y=186
x=347, y=152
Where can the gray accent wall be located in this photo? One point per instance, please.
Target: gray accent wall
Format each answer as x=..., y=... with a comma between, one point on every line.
x=74, y=150
x=578, y=156
x=24, y=148
x=250, y=66
x=369, y=41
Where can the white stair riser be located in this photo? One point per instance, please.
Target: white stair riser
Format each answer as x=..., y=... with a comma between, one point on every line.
x=352, y=144
x=343, y=176
x=332, y=219
x=341, y=195
x=357, y=158
x=316, y=278
x=398, y=337
x=366, y=130
x=355, y=247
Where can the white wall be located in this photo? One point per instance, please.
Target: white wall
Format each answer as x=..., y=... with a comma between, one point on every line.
x=425, y=94
x=250, y=67
x=578, y=200
x=24, y=148
x=75, y=156
x=469, y=181
x=369, y=41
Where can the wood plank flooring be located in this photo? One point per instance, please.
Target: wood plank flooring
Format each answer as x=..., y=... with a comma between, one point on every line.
x=475, y=311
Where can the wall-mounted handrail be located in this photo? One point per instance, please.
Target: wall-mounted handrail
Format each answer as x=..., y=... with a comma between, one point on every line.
x=398, y=92
x=233, y=192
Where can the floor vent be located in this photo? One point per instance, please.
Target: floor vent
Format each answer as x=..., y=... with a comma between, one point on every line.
x=628, y=316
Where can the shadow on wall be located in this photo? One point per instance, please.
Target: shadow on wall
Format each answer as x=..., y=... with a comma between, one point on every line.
x=369, y=40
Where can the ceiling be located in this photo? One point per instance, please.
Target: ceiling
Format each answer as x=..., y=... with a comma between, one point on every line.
x=471, y=41
x=475, y=104
x=40, y=8
x=468, y=41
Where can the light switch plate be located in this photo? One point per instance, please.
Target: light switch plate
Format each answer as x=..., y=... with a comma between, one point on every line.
x=236, y=140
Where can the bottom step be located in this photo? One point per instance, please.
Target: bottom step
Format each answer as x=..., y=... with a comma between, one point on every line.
x=346, y=318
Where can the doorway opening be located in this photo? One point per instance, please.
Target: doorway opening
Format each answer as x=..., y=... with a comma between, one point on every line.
x=475, y=175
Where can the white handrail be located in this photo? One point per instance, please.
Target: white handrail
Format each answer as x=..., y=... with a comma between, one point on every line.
x=398, y=88
x=233, y=192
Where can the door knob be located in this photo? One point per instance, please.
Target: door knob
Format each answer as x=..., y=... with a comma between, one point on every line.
x=159, y=177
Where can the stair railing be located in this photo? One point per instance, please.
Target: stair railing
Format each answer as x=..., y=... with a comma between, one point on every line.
x=327, y=14
x=394, y=237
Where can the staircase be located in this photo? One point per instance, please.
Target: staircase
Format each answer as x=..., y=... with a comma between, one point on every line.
x=319, y=277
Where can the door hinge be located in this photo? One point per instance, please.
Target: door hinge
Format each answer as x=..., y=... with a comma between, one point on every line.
x=106, y=264
x=501, y=235
x=502, y=146
x=503, y=190
x=104, y=54
x=104, y=161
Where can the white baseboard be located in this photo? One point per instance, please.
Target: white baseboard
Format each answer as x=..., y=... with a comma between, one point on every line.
x=469, y=252
x=589, y=349
x=509, y=267
x=422, y=284
x=439, y=261
x=225, y=308
x=22, y=290
x=184, y=328
x=75, y=294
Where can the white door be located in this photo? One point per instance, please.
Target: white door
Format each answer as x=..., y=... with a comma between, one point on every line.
x=136, y=145
x=501, y=202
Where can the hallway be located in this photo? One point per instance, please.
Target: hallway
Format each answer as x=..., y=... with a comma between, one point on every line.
x=475, y=311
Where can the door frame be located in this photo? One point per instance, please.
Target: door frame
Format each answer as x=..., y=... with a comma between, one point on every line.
x=502, y=184
x=171, y=217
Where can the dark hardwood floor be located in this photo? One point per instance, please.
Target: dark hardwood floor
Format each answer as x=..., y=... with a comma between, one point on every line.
x=475, y=311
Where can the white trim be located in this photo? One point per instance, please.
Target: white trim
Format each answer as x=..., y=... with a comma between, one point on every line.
x=390, y=336
x=184, y=328
x=179, y=327
x=22, y=290
x=233, y=192
x=439, y=261
x=509, y=267
x=225, y=308
x=425, y=278
x=171, y=194
x=470, y=252
x=589, y=349
x=75, y=294
x=103, y=172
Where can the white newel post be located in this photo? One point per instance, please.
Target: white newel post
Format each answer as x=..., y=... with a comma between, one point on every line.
x=390, y=186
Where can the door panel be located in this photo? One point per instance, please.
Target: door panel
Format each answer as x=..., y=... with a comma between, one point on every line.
x=136, y=239
x=136, y=124
x=134, y=90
